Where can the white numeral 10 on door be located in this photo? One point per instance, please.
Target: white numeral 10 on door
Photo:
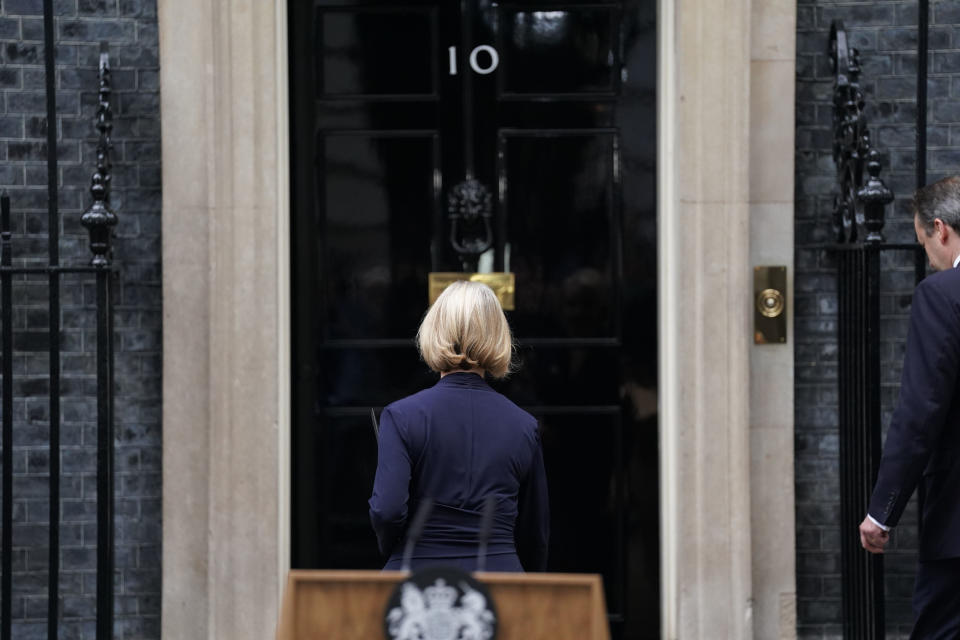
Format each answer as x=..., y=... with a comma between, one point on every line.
x=474, y=59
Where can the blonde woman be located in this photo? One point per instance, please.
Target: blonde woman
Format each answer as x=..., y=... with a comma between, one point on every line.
x=459, y=443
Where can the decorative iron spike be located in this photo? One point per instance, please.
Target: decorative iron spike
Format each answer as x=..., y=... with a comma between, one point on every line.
x=839, y=51
x=853, y=67
x=839, y=213
x=99, y=219
x=859, y=203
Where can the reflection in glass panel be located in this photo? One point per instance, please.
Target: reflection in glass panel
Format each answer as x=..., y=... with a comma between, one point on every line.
x=559, y=51
x=379, y=204
x=382, y=52
x=559, y=214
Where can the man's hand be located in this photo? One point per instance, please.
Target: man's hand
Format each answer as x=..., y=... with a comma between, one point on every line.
x=872, y=537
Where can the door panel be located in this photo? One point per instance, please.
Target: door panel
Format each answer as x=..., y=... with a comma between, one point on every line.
x=563, y=248
x=354, y=61
x=562, y=133
x=568, y=51
x=379, y=205
x=586, y=529
x=369, y=377
x=347, y=450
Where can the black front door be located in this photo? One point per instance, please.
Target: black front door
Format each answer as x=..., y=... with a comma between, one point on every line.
x=550, y=108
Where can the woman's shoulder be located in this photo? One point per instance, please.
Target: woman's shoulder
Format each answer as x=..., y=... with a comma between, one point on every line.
x=520, y=413
x=517, y=416
x=425, y=401
x=414, y=403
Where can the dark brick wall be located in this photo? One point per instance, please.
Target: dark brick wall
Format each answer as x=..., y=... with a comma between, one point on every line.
x=886, y=34
x=130, y=28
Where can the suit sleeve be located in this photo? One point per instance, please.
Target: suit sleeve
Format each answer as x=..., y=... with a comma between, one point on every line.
x=533, y=520
x=926, y=389
x=391, y=486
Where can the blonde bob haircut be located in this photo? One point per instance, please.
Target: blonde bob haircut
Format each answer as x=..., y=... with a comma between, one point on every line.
x=465, y=329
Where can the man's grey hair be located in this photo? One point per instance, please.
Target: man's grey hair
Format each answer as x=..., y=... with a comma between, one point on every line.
x=938, y=200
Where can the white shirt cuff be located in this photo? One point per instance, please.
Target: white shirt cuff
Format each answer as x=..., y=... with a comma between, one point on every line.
x=874, y=521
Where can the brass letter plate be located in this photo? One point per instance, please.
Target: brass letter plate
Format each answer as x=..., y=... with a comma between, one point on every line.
x=770, y=305
x=501, y=283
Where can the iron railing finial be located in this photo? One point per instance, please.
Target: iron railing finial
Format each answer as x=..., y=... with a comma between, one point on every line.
x=858, y=208
x=99, y=219
x=875, y=196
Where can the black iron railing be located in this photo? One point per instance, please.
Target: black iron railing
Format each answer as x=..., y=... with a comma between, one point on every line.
x=98, y=220
x=858, y=220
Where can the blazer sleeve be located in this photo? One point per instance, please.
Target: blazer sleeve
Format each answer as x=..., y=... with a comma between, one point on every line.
x=926, y=392
x=391, y=486
x=533, y=520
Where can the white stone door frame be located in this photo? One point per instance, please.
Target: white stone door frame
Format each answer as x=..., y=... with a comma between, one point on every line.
x=226, y=282
x=726, y=458
x=725, y=177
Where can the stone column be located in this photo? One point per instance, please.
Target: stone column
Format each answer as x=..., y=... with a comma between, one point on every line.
x=705, y=321
x=225, y=290
x=772, y=125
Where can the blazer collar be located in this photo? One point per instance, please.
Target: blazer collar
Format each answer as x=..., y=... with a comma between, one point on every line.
x=463, y=380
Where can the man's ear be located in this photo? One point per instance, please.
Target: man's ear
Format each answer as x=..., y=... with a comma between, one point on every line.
x=941, y=230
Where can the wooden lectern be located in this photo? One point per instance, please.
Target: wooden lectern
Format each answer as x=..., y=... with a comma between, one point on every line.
x=349, y=605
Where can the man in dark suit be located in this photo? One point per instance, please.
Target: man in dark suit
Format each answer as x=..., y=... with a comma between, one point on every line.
x=923, y=443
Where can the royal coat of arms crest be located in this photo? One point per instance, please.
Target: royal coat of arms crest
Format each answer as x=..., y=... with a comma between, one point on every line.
x=447, y=604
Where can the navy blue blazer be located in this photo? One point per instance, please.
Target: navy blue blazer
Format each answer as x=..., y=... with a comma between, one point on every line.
x=923, y=442
x=457, y=443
